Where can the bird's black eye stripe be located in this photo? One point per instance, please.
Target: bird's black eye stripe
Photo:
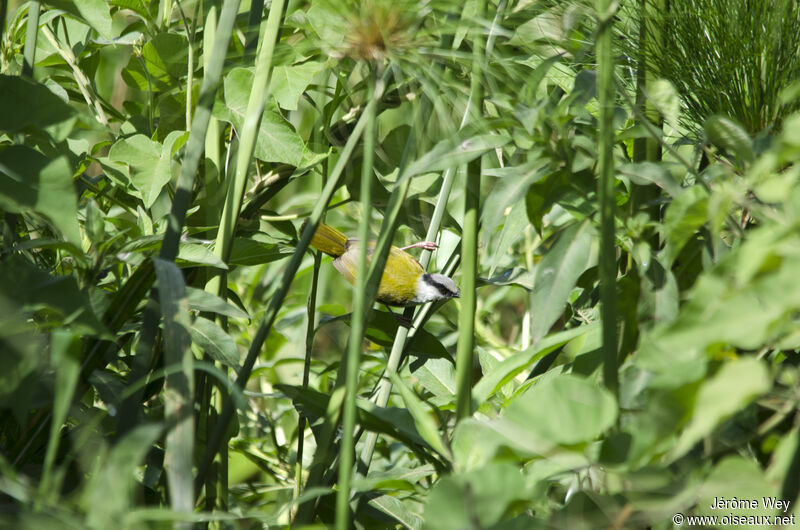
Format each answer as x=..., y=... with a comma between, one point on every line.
x=441, y=288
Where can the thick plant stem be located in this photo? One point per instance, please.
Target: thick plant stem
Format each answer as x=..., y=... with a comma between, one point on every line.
x=32, y=31
x=605, y=145
x=302, y=421
x=346, y=454
x=469, y=245
x=248, y=137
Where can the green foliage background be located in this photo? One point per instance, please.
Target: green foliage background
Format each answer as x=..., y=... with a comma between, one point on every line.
x=158, y=160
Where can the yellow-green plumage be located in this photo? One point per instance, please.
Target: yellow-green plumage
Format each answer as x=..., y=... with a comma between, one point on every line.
x=400, y=275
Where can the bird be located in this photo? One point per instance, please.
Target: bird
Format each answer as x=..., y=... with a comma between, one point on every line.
x=404, y=281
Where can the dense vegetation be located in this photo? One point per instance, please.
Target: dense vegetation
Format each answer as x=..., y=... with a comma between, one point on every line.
x=612, y=185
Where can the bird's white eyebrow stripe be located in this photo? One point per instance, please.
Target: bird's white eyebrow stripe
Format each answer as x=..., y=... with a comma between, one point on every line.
x=442, y=288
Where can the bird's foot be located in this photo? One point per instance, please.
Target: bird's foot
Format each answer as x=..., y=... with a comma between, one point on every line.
x=425, y=245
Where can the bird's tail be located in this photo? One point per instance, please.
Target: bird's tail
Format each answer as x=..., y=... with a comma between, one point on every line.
x=329, y=240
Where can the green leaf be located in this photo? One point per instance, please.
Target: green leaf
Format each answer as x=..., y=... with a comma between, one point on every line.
x=735, y=385
x=30, y=181
x=150, y=168
x=726, y=134
x=426, y=427
x=255, y=250
x=438, y=376
x=663, y=96
x=96, y=13
x=179, y=392
x=166, y=55
x=200, y=300
x=33, y=289
x=394, y=422
x=650, y=173
x=476, y=499
x=215, y=342
x=685, y=214
x=65, y=349
x=453, y=152
x=277, y=140
x=556, y=275
x=109, y=490
x=564, y=409
x=504, y=372
x=199, y=255
x=394, y=508
x=475, y=443
x=287, y=83
x=516, y=276
x=28, y=106
x=328, y=23
x=735, y=477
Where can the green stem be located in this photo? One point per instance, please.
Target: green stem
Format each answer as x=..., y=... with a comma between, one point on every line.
x=247, y=141
x=469, y=244
x=310, y=327
x=605, y=146
x=32, y=31
x=346, y=454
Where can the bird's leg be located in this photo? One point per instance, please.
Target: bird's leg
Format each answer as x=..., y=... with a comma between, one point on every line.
x=427, y=245
x=402, y=320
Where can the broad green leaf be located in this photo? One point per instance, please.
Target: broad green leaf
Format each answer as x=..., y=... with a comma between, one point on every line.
x=287, y=83
x=277, y=139
x=453, y=152
x=199, y=255
x=96, y=13
x=30, y=181
x=136, y=6
x=513, y=229
x=215, y=342
x=394, y=508
x=328, y=23
x=438, y=376
x=150, y=169
x=504, y=372
x=556, y=275
x=735, y=385
x=650, y=173
x=476, y=499
x=166, y=55
x=741, y=478
x=109, y=490
x=203, y=301
x=27, y=106
x=24, y=348
x=394, y=422
x=663, y=96
x=255, y=250
x=685, y=214
x=730, y=136
x=33, y=289
x=516, y=276
x=564, y=409
x=426, y=427
x=396, y=478
x=474, y=443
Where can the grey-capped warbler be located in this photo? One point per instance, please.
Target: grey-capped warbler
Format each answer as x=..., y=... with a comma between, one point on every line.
x=404, y=282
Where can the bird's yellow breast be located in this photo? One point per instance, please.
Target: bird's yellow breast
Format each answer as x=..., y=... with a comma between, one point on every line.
x=399, y=279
